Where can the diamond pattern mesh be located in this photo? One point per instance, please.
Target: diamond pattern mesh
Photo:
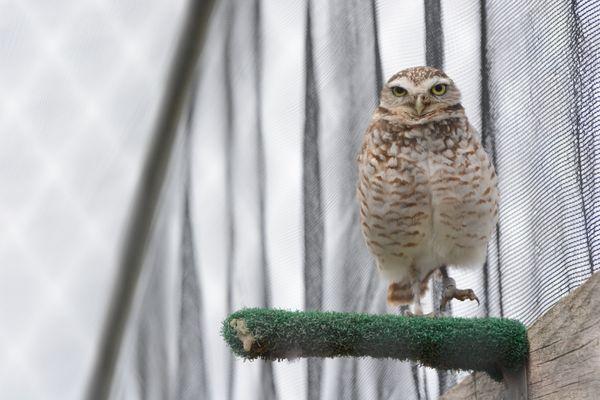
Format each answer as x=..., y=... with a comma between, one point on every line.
x=80, y=82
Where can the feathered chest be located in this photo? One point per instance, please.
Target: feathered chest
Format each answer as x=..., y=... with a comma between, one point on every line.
x=417, y=183
x=431, y=155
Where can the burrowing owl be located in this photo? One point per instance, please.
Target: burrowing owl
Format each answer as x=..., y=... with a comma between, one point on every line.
x=427, y=189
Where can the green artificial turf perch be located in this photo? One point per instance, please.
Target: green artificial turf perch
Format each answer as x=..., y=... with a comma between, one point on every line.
x=480, y=344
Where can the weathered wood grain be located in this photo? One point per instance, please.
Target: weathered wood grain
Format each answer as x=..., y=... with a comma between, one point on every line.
x=564, y=360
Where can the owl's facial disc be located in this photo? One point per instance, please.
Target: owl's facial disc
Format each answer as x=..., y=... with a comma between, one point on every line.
x=419, y=100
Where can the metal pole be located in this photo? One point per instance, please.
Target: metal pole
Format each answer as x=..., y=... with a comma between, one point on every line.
x=147, y=196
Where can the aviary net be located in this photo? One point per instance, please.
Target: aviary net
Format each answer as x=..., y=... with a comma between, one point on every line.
x=260, y=208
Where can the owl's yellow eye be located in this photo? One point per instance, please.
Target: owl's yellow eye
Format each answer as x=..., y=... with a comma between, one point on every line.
x=438, y=89
x=398, y=91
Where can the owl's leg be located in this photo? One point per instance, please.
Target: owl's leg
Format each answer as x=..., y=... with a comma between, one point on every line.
x=416, y=289
x=404, y=309
x=451, y=292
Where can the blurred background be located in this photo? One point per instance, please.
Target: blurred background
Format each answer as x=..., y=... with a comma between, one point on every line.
x=257, y=207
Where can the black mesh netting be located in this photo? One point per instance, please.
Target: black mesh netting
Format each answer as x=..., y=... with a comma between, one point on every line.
x=260, y=209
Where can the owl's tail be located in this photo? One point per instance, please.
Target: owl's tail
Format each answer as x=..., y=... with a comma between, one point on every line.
x=400, y=293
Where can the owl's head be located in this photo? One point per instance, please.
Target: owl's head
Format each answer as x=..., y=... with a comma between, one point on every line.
x=420, y=93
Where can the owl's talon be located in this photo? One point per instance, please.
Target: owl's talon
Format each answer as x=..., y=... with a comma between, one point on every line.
x=451, y=292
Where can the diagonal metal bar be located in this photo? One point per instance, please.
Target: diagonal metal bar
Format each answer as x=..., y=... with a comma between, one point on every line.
x=144, y=206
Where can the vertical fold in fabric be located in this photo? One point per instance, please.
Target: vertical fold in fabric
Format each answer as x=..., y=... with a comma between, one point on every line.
x=151, y=338
x=384, y=366
x=377, y=50
x=155, y=322
x=348, y=76
x=489, y=142
x=434, y=57
x=416, y=381
x=312, y=204
x=229, y=160
x=486, y=122
x=584, y=73
x=434, y=35
x=191, y=371
x=267, y=378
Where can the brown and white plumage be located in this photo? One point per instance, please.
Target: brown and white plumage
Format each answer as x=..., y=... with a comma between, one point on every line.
x=427, y=189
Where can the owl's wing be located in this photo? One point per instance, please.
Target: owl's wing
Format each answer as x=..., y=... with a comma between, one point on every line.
x=474, y=131
x=359, y=157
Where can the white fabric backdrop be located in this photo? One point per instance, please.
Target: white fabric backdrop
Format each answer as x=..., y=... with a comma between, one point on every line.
x=79, y=86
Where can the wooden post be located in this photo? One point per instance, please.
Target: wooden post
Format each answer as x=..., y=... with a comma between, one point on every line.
x=564, y=360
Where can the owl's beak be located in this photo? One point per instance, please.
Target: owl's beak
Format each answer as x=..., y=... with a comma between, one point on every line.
x=419, y=106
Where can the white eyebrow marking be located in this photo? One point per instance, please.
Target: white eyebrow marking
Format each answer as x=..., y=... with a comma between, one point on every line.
x=403, y=82
x=422, y=87
x=437, y=80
